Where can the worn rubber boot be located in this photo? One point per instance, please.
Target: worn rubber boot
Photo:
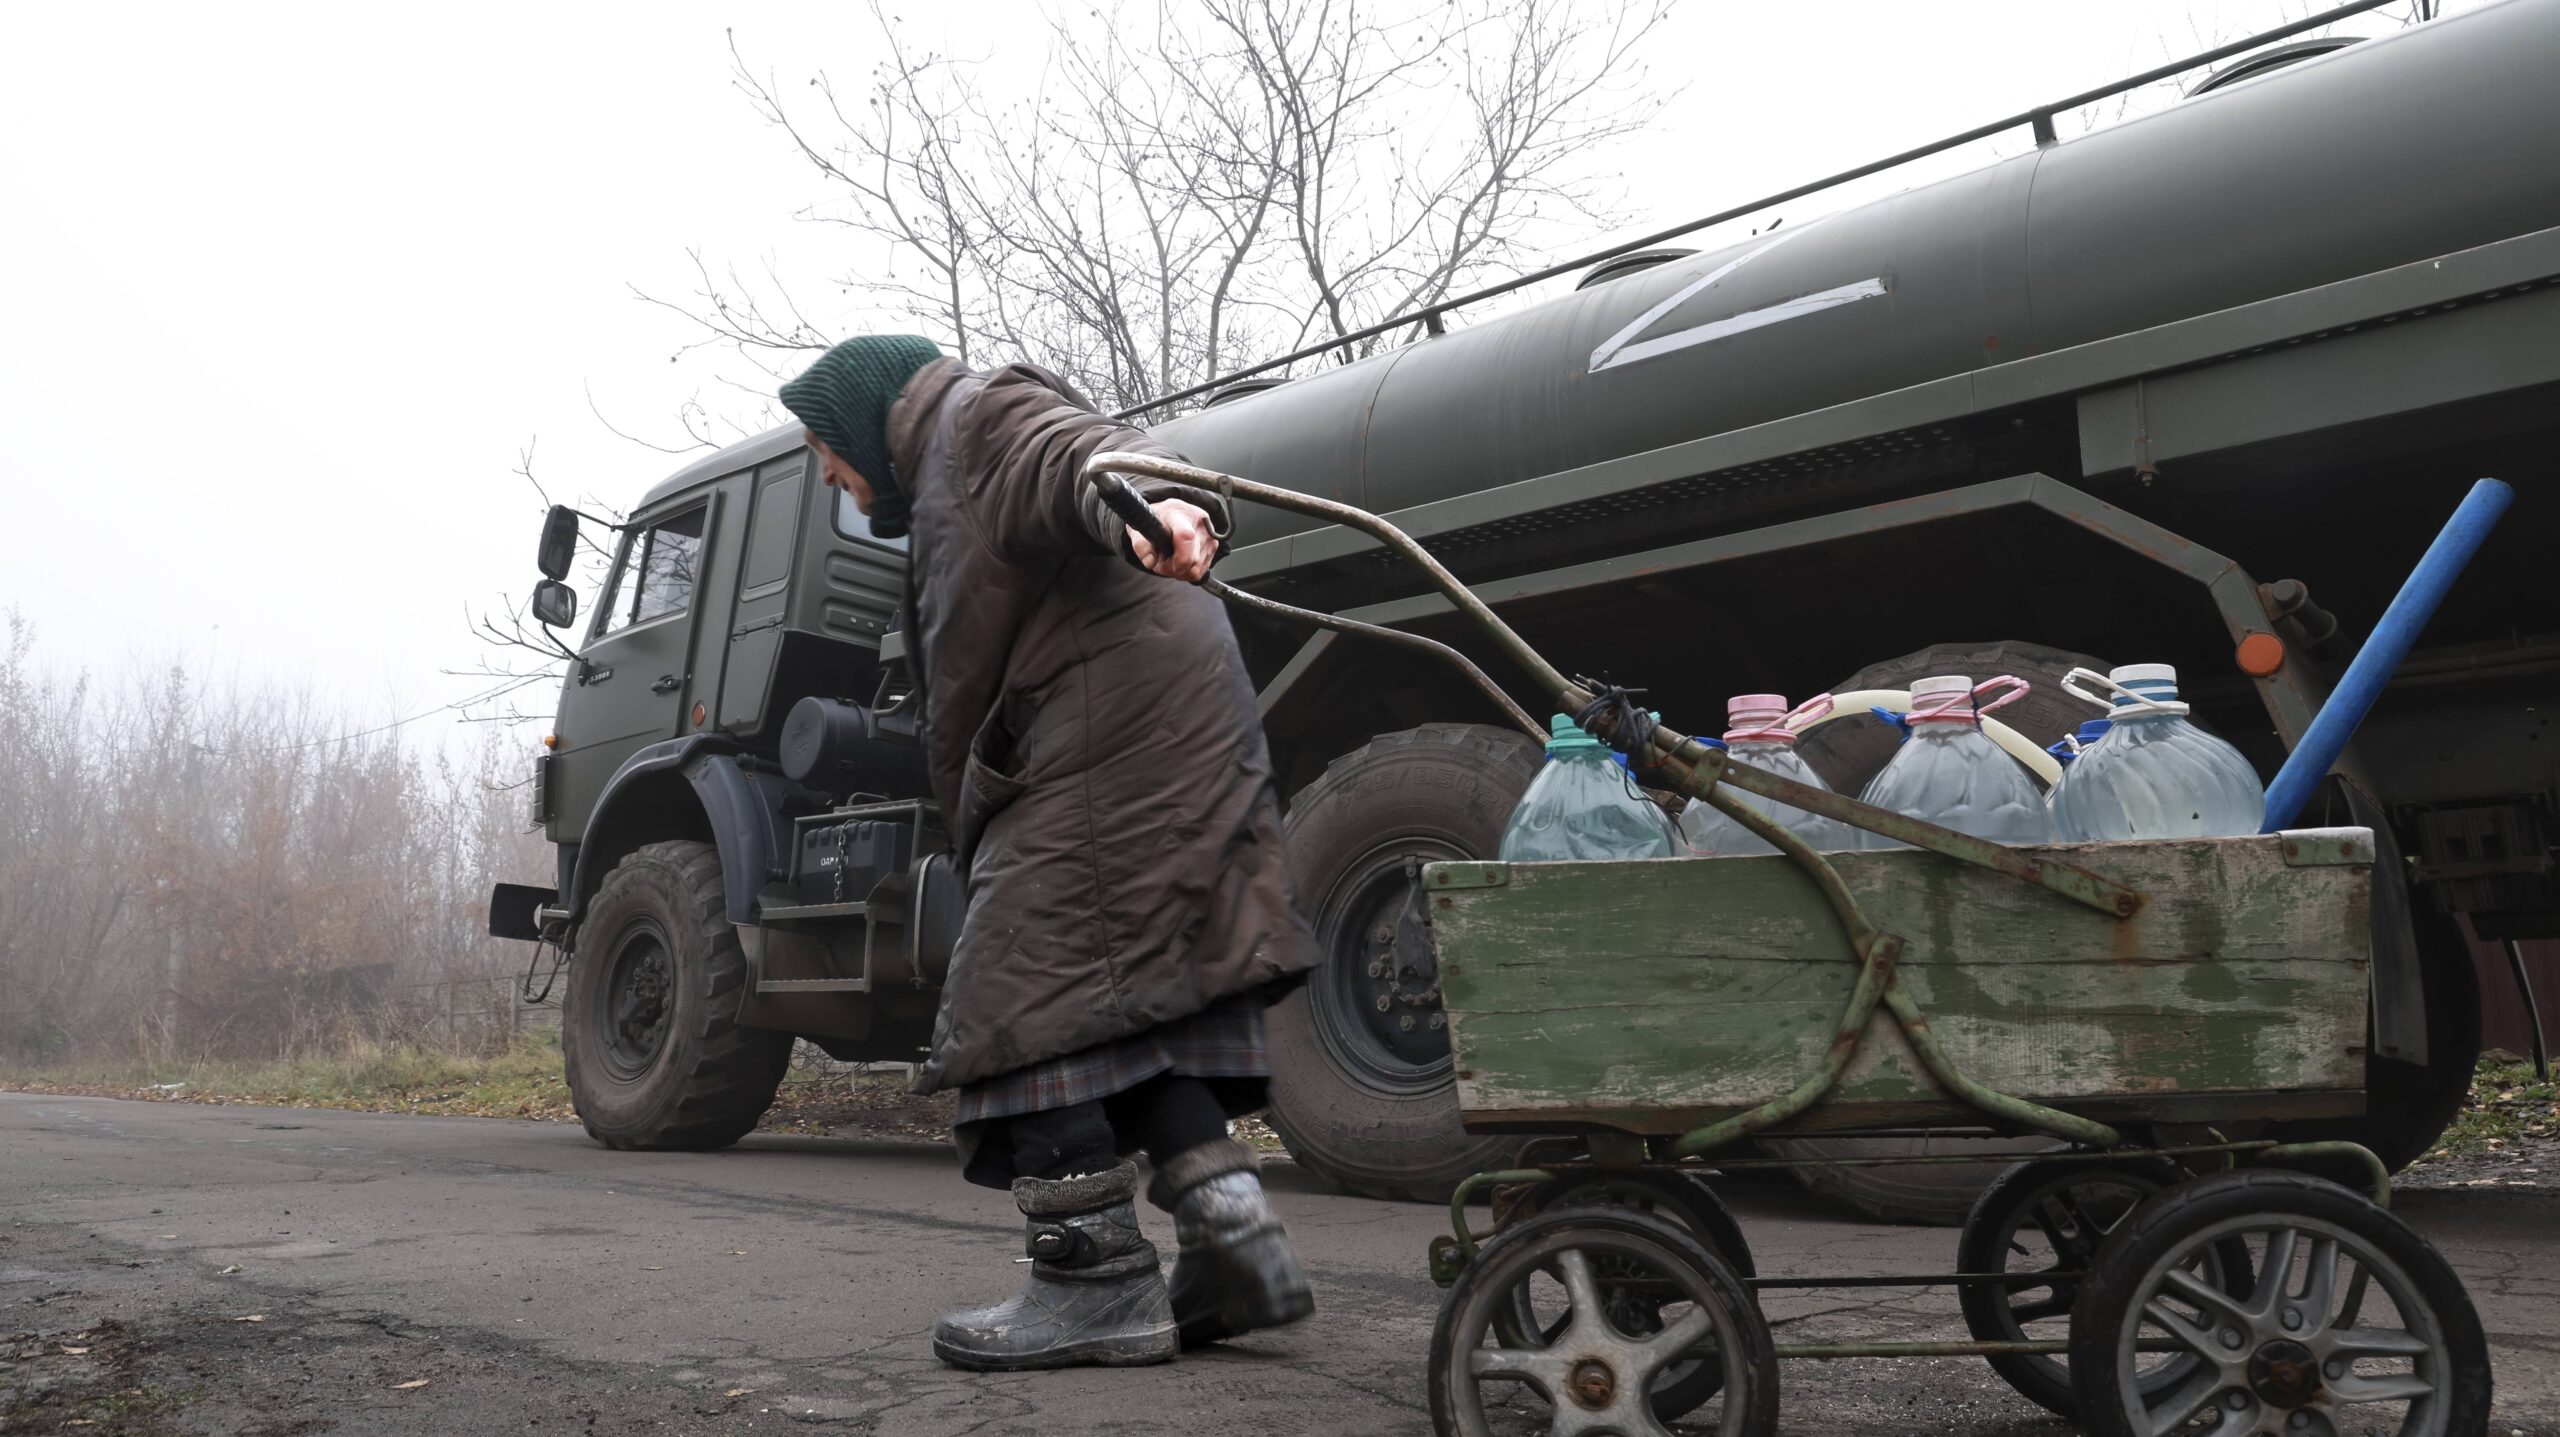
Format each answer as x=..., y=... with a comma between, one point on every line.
x=1234, y=1272
x=1096, y=1297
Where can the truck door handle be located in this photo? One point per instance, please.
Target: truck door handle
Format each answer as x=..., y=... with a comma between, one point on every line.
x=666, y=684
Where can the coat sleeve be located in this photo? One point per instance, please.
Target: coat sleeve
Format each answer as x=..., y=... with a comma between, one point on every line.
x=1030, y=434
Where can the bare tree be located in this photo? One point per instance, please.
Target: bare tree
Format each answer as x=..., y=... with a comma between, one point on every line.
x=1187, y=189
x=189, y=873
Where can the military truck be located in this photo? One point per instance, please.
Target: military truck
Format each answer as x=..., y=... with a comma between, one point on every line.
x=2193, y=388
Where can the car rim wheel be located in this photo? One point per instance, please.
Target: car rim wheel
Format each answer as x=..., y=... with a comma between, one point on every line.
x=2054, y=1217
x=2332, y=1337
x=1638, y=1302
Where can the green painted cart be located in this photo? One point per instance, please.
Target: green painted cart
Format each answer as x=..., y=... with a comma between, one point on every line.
x=2148, y=1006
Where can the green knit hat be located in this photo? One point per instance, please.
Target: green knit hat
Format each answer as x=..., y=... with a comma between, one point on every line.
x=844, y=398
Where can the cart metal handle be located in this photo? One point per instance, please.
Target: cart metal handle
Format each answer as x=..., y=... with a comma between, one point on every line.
x=1133, y=509
x=1697, y=770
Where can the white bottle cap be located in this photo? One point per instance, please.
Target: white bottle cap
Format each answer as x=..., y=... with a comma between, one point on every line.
x=1945, y=684
x=2133, y=673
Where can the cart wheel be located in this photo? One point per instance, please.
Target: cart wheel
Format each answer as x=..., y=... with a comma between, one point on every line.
x=2052, y=1216
x=2353, y=1324
x=1600, y=1370
x=1538, y=1312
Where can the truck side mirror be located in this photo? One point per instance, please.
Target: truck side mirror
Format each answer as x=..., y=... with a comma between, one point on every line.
x=555, y=603
x=559, y=550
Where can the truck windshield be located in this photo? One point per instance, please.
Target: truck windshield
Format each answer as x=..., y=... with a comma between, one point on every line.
x=851, y=524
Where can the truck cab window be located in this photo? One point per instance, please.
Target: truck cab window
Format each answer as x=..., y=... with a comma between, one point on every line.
x=655, y=578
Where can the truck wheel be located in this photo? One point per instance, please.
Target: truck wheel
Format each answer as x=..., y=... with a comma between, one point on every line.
x=1847, y=754
x=655, y=1055
x=2409, y=1105
x=1360, y=1078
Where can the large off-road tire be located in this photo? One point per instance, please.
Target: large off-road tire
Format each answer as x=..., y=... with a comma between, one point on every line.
x=656, y=1056
x=1361, y=1098
x=1847, y=753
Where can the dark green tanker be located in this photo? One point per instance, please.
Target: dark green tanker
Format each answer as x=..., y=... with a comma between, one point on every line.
x=2137, y=395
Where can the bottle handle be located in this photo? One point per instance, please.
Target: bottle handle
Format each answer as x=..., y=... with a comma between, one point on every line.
x=2135, y=705
x=1805, y=715
x=2017, y=689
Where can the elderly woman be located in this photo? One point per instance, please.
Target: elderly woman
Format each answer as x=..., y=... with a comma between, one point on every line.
x=1096, y=752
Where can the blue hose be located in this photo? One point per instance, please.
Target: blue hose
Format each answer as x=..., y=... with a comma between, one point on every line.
x=2381, y=655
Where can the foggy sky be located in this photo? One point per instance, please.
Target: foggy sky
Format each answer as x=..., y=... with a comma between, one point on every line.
x=287, y=288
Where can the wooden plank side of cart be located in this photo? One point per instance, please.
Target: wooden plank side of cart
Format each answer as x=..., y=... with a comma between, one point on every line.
x=1658, y=996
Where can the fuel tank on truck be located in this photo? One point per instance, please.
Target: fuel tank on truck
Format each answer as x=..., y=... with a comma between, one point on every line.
x=2437, y=138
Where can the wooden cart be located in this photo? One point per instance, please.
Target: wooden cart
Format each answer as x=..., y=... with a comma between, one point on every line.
x=2147, y=1005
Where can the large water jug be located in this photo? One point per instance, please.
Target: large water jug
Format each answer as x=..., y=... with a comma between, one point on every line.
x=1948, y=773
x=2156, y=775
x=1763, y=735
x=1583, y=805
x=2066, y=751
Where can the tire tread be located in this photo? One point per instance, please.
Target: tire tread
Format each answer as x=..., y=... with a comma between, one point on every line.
x=735, y=1070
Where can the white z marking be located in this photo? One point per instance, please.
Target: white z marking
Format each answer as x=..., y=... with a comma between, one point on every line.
x=1620, y=348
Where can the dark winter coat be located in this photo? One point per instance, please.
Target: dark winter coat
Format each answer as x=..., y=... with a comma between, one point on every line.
x=1092, y=737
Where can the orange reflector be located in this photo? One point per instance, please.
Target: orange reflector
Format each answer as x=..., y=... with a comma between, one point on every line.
x=698, y=715
x=551, y=740
x=2260, y=655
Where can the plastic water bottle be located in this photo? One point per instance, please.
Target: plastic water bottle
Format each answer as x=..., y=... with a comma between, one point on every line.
x=1948, y=773
x=1583, y=805
x=2157, y=775
x=1764, y=736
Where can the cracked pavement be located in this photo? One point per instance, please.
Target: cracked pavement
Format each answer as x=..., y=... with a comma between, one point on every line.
x=416, y=1274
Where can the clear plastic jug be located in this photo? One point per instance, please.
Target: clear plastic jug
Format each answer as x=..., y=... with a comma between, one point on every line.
x=1764, y=736
x=1948, y=773
x=2067, y=750
x=1583, y=805
x=2156, y=775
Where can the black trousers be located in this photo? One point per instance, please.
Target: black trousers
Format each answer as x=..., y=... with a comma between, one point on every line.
x=1165, y=1115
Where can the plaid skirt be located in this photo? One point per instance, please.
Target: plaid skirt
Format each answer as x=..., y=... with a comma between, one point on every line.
x=1223, y=1040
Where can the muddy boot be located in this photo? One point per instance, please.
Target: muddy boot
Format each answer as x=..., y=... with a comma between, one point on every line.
x=1234, y=1273
x=1096, y=1297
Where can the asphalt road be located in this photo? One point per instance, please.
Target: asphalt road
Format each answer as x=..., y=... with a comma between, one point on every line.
x=465, y=1275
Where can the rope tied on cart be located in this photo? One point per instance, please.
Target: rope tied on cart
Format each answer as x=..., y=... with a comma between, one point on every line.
x=1615, y=717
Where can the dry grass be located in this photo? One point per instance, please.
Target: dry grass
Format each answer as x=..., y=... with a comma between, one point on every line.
x=2510, y=1123
x=523, y=1081
x=816, y=1098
